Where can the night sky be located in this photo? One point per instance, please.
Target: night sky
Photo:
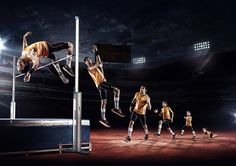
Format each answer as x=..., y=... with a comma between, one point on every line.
x=157, y=29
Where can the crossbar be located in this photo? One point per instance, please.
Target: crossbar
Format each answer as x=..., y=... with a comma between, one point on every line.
x=59, y=60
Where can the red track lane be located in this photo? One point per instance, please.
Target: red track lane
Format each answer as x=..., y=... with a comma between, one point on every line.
x=109, y=148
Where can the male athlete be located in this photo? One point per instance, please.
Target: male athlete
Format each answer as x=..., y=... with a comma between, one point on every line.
x=188, y=124
x=138, y=106
x=208, y=133
x=168, y=116
x=96, y=72
x=31, y=55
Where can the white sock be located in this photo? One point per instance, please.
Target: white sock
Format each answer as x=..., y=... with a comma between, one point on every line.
x=194, y=134
x=130, y=130
x=57, y=67
x=159, y=129
x=103, y=113
x=182, y=132
x=116, y=102
x=146, y=131
x=69, y=60
x=171, y=132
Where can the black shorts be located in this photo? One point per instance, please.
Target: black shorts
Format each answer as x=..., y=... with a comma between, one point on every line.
x=103, y=87
x=211, y=135
x=142, y=118
x=187, y=127
x=58, y=46
x=166, y=123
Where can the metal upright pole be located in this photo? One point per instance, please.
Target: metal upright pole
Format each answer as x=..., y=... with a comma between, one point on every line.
x=77, y=54
x=13, y=103
x=77, y=100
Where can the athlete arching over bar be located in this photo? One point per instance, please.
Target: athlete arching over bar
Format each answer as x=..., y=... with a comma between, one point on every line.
x=31, y=55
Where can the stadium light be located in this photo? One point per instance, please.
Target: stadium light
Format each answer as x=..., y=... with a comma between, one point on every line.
x=202, y=46
x=139, y=60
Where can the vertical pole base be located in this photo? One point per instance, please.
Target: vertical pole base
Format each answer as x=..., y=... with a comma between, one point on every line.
x=13, y=110
x=77, y=107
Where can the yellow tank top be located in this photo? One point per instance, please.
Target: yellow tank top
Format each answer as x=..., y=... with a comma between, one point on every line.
x=97, y=76
x=166, y=113
x=40, y=47
x=141, y=103
x=188, y=120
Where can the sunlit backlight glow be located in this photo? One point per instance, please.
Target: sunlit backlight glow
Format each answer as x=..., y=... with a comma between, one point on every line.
x=2, y=42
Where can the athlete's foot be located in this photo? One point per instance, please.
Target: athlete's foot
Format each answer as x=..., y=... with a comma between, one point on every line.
x=174, y=136
x=127, y=139
x=182, y=134
x=104, y=123
x=63, y=78
x=69, y=70
x=146, y=136
x=194, y=137
x=158, y=134
x=118, y=112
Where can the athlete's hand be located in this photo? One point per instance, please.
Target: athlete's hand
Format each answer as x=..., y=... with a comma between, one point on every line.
x=94, y=48
x=28, y=34
x=27, y=77
x=100, y=64
x=156, y=111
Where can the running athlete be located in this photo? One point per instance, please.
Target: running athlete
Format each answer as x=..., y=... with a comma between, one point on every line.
x=138, y=106
x=168, y=116
x=188, y=124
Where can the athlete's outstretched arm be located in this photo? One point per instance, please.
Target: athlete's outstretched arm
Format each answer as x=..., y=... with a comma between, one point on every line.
x=149, y=103
x=93, y=66
x=172, y=114
x=99, y=63
x=25, y=43
x=98, y=58
x=132, y=104
x=35, y=64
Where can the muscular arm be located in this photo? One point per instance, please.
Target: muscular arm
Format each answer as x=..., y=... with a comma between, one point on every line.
x=208, y=134
x=98, y=59
x=99, y=63
x=132, y=104
x=161, y=113
x=93, y=66
x=35, y=64
x=25, y=43
x=172, y=114
x=149, y=104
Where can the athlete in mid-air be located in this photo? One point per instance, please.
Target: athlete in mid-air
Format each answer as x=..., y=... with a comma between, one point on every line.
x=31, y=55
x=96, y=72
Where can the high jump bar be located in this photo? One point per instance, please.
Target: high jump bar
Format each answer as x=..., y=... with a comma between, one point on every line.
x=59, y=60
